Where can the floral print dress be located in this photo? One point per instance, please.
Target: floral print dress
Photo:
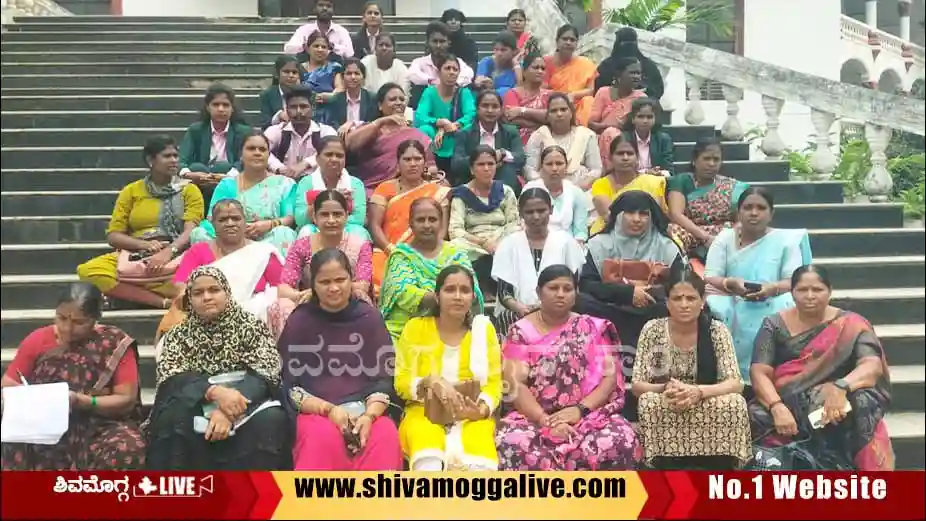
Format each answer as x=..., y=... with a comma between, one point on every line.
x=566, y=365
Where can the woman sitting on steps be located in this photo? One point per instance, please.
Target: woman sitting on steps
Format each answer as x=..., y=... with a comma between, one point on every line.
x=153, y=218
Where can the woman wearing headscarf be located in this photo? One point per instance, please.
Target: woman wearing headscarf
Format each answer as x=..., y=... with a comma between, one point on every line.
x=625, y=269
x=218, y=374
x=625, y=46
x=627, y=263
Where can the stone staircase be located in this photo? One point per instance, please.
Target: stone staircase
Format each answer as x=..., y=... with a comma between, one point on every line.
x=69, y=145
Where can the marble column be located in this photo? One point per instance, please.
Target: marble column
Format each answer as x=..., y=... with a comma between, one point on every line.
x=871, y=13
x=903, y=11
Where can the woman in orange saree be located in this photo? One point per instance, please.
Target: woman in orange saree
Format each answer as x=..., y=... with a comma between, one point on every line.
x=570, y=74
x=818, y=357
x=390, y=204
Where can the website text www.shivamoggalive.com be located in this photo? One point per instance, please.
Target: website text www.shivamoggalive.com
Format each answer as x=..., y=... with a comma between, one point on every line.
x=524, y=486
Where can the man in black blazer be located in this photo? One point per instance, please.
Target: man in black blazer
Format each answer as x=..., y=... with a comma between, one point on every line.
x=507, y=142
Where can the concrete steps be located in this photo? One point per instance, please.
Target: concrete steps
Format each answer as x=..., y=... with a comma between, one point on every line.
x=68, y=146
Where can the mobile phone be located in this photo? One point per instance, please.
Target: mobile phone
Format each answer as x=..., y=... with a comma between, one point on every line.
x=138, y=255
x=816, y=417
x=752, y=287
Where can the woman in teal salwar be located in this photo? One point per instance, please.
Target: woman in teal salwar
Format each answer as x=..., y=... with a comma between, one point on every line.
x=267, y=198
x=749, y=270
x=331, y=175
x=445, y=110
x=412, y=268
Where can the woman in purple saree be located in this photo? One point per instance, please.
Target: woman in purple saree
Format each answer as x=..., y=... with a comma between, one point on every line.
x=376, y=142
x=338, y=363
x=567, y=392
x=814, y=357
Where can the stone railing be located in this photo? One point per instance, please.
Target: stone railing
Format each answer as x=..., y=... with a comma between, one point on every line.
x=827, y=99
x=32, y=8
x=13, y=8
x=860, y=33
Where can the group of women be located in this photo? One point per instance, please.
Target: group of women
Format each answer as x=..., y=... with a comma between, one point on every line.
x=338, y=392
x=604, y=266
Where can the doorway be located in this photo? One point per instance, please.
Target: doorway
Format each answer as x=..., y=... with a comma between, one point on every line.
x=305, y=8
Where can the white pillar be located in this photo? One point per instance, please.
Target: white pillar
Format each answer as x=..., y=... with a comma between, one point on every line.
x=871, y=13
x=903, y=11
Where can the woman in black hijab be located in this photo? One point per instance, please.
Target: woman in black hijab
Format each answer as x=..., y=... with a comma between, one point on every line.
x=625, y=45
x=461, y=45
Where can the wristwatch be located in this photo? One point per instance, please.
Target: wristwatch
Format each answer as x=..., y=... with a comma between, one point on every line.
x=842, y=384
x=583, y=410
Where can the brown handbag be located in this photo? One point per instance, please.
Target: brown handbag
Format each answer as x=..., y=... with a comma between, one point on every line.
x=435, y=411
x=638, y=273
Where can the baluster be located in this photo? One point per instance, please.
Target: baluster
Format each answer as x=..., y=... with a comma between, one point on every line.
x=666, y=101
x=694, y=112
x=772, y=145
x=878, y=183
x=732, y=129
x=822, y=161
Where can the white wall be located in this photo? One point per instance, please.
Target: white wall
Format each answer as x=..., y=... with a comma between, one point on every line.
x=796, y=34
x=493, y=8
x=213, y=8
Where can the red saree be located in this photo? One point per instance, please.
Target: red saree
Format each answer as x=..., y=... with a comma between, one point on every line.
x=94, y=367
x=817, y=357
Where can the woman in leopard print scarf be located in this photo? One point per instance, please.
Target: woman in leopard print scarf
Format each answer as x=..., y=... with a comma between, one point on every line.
x=217, y=337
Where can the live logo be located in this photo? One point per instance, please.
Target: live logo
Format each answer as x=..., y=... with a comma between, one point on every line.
x=177, y=486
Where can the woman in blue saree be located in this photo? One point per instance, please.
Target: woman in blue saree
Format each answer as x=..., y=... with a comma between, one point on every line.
x=322, y=74
x=749, y=269
x=266, y=198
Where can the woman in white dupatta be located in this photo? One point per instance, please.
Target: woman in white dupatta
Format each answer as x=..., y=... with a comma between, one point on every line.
x=521, y=257
x=253, y=268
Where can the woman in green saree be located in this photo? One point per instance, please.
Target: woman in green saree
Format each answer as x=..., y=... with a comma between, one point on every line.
x=412, y=268
x=702, y=202
x=266, y=198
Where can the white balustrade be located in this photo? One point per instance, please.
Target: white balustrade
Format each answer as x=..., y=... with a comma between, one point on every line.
x=823, y=161
x=878, y=183
x=732, y=129
x=772, y=144
x=694, y=112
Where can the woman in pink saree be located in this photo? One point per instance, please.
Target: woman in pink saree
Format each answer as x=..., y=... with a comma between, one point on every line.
x=566, y=391
x=375, y=142
x=526, y=104
x=818, y=357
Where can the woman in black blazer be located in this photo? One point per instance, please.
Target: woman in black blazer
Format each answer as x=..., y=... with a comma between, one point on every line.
x=342, y=117
x=285, y=75
x=364, y=40
x=505, y=139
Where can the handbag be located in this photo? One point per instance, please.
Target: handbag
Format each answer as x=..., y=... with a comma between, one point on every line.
x=438, y=413
x=637, y=273
x=135, y=271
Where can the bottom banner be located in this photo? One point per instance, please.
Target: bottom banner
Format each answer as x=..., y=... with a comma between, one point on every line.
x=500, y=495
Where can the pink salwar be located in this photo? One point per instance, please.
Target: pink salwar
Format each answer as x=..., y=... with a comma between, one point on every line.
x=320, y=446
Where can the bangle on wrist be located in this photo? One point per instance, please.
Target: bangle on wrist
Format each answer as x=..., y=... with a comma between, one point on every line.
x=772, y=405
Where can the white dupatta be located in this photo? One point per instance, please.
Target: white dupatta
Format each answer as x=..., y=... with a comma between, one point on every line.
x=243, y=269
x=514, y=262
x=455, y=456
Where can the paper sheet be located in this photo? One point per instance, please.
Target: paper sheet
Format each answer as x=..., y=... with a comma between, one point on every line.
x=37, y=414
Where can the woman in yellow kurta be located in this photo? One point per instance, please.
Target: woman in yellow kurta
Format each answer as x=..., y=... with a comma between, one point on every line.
x=623, y=176
x=154, y=216
x=570, y=74
x=436, y=353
